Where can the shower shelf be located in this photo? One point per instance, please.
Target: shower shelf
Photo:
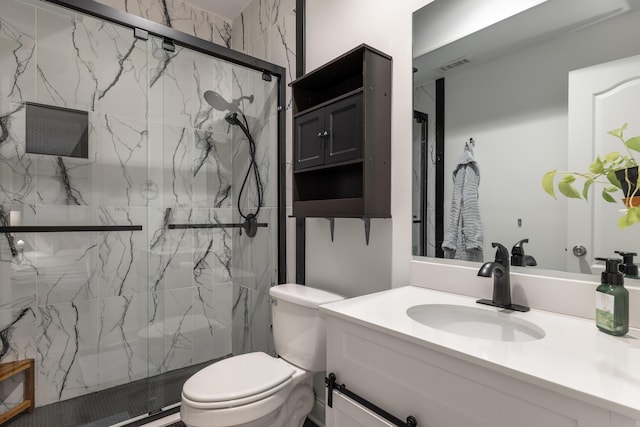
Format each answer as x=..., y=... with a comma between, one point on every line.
x=233, y=225
x=67, y=228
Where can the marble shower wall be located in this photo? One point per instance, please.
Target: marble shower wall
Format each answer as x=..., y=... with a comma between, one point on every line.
x=265, y=29
x=98, y=309
x=179, y=15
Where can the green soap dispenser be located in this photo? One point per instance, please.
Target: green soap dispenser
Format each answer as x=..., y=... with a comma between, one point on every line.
x=612, y=300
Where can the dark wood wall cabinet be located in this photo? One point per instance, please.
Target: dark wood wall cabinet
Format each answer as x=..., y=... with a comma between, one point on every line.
x=342, y=137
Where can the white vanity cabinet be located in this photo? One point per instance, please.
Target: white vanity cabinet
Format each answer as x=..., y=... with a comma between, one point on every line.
x=441, y=387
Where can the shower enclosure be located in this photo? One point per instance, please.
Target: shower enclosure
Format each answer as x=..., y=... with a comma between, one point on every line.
x=125, y=249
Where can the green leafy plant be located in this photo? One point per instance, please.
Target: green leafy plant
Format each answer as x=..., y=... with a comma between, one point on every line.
x=603, y=170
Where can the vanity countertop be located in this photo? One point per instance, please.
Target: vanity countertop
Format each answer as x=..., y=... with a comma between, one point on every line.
x=574, y=358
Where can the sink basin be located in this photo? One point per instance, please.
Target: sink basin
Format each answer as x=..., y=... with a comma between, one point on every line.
x=475, y=322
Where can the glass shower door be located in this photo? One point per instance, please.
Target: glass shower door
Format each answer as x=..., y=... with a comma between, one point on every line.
x=210, y=170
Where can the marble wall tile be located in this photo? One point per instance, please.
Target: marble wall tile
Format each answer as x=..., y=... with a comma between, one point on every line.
x=253, y=257
x=134, y=7
x=179, y=15
x=260, y=47
x=90, y=65
x=17, y=48
x=11, y=392
x=18, y=326
x=17, y=273
x=17, y=168
x=222, y=31
x=282, y=49
x=169, y=252
x=122, y=345
x=67, y=363
x=257, y=20
x=178, y=81
x=121, y=255
x=212, y=253
x=170, y=337
x=121, y=164
x=251, y=321
x=212, y=322
x=65, y=180
x=239, y=33
x=171, y=82
x=212, y=172
x=178, y=147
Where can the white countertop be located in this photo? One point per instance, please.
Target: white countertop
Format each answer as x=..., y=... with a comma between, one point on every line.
x=574, y=358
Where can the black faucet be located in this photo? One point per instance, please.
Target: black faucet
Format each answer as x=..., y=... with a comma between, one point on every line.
x=518, y=257
x=501, y=284
x=628, y=268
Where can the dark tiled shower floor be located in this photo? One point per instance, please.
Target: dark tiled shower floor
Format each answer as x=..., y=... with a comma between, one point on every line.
x=307, y=423
x=111, y=406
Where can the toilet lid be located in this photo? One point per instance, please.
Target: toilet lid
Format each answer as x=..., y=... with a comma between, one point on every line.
x=237, y=377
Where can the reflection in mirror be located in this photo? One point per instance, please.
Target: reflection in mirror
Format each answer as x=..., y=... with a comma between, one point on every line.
x=506, y=85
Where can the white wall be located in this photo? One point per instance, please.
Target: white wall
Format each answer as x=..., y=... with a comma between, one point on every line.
x=347, y=265
x=332, y=28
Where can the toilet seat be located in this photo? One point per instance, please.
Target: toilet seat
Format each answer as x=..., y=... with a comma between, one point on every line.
x=237, y=381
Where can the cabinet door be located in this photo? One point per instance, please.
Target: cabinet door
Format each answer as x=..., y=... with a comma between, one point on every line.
x=309, y=140
x=344, y=122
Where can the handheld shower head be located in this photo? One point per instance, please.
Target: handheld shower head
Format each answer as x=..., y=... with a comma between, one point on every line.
x=232, y=119
x=218, y=102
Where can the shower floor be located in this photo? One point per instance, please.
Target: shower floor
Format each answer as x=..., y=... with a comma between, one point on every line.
x=111, y=406
x=307, y=423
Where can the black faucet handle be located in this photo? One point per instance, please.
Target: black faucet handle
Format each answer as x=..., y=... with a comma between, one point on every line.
x=628, y=268
x=518, y=258
x=518, y=248
x=502, y=254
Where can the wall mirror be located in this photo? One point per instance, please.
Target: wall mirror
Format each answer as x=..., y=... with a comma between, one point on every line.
x=498, y=81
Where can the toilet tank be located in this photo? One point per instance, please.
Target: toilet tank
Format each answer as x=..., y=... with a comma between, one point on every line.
x=298, y=330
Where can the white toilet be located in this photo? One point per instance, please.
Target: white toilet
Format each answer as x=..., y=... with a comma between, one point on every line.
x=258, y=390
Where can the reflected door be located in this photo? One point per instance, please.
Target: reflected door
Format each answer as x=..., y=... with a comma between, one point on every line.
x=601, y=98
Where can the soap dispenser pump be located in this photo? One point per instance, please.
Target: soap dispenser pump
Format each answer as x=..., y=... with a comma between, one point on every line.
x=612, y=300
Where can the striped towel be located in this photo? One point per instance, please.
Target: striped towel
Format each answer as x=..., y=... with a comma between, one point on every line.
x=463, y=238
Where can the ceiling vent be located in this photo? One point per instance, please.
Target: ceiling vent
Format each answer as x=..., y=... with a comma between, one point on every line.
x=454, y=64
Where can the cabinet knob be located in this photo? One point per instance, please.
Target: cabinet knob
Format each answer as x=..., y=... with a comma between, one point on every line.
x=326, y=133
x=320, y=134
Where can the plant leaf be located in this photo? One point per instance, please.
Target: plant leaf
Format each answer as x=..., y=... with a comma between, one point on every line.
x=611, y=176
x=547, y=183
x=630, y=217
x=585, y=189
x=633, y=143
x=611, y=157
x=623, y=221
x=567, y=189
x=597, y=167
x=618, y=132
x=568, y=178
x=607, y=197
